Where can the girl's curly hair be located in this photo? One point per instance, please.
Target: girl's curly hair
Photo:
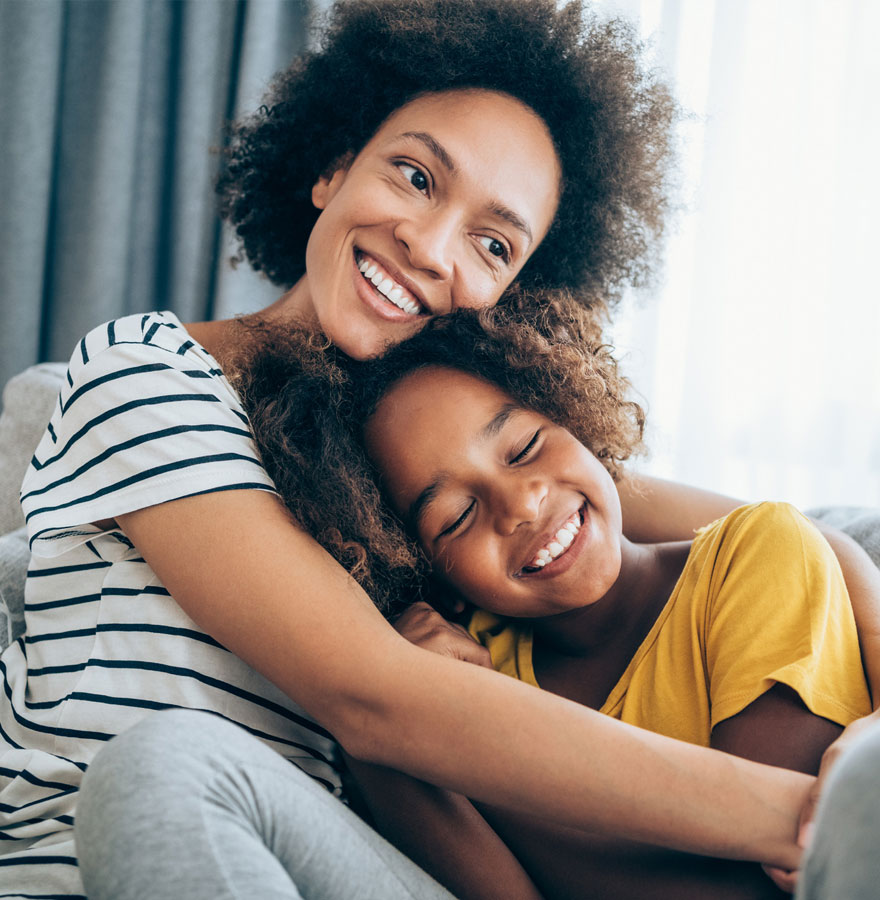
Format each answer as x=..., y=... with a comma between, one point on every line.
x=609, y=116
x=308, y=404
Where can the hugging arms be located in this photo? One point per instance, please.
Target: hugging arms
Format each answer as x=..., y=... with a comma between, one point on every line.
x=519, y=518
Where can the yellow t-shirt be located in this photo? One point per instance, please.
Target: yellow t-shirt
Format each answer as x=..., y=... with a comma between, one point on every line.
x=761, y=600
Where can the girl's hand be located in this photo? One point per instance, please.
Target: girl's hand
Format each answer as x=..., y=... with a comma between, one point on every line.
x=423, y=626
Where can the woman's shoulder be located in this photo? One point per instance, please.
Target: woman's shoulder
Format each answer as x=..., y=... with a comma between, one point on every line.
x=154, y=335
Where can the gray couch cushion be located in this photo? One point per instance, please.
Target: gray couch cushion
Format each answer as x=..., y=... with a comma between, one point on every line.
x=14, y=557
x=28, y=402
x=860, y=523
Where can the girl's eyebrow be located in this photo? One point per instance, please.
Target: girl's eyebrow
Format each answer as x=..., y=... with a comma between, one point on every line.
x=495, y=206
x=419, y=506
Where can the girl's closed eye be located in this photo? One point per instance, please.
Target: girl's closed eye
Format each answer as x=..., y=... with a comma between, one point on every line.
x=451, y=529
x=523, y=455
x=414, y=175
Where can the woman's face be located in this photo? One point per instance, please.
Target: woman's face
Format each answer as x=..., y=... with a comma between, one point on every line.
x=440, y=210
x=511, y=509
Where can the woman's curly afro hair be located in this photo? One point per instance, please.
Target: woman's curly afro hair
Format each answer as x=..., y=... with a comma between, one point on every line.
x=609, y=116
x=308, y=404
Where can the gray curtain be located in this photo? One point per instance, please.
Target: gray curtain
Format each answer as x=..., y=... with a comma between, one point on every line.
x=111, y=114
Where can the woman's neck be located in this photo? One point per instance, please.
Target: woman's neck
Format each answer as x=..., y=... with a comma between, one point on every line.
x=223, y=338
x=624, y=615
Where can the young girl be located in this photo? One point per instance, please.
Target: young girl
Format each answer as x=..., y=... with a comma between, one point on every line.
x=488, y=438
x=429, y=156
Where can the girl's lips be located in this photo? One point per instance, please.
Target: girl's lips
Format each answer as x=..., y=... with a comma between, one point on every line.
x=566, y=560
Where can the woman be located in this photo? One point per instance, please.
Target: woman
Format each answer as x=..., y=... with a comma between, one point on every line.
x=418, y=145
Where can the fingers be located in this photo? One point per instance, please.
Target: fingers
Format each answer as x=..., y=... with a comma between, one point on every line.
x=808, y=811
x=423, y=626
x=829, y=760
x=784, y=879
x=470, y=651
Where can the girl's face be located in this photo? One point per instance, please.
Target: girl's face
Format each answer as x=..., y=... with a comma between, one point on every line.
x=511, y=509
x=440, y=210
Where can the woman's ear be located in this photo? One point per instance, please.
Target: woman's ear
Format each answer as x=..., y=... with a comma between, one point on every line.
x=329, y=182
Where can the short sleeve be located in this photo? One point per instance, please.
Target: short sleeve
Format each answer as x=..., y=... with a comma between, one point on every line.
x=137, y=423
x=779, y=612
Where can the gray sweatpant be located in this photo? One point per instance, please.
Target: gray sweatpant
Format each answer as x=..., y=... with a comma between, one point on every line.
x=185, y=806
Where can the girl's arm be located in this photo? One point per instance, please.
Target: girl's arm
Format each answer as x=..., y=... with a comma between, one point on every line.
x=443, y=833
x=245, y=573
x=656, y=510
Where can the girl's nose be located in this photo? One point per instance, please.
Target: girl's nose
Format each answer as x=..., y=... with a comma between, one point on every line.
x=518, y=503
x=429, y=241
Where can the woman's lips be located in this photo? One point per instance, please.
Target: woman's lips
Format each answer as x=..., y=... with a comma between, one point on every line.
x=377, y=300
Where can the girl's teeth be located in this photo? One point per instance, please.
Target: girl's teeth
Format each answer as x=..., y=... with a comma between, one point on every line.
x=564, y=537
x=562, y=541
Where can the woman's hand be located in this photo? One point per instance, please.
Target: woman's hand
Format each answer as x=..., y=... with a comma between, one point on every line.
x=783, y=878
x=829, y=759
x=423, y=626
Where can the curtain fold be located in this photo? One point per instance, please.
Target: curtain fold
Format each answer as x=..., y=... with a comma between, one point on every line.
x=111, y=120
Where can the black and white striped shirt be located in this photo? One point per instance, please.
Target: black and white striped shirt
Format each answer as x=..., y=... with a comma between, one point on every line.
x=146, y=417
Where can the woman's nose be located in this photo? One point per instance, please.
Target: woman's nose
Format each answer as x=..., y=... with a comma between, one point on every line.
x=429, y=241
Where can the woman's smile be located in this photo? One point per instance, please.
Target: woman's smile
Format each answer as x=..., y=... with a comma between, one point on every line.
x=393, y=288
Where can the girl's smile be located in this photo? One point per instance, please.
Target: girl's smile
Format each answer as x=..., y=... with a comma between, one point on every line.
x=440, y=210
x=510, y=508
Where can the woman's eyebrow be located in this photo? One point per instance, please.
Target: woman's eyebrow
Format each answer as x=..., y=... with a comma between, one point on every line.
x=495, y=206
x=435, y=147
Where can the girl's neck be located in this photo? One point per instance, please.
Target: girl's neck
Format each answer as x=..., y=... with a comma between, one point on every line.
x=648, y=574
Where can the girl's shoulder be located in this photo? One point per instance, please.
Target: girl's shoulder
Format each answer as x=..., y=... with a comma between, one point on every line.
x=757, y=521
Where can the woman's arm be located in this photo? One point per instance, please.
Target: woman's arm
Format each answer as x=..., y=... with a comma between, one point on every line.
x=443, y=833
x=241, y=569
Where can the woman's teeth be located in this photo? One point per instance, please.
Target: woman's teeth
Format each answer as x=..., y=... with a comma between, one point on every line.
x=385, y=286
x=562, y=540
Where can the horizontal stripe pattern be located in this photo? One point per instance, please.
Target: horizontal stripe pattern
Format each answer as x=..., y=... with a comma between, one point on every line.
x=145, y=417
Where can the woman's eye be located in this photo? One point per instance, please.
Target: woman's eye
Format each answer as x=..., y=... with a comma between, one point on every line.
x=523, y=454
x=416, y=177
x=495, y=247
x=458, y=522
